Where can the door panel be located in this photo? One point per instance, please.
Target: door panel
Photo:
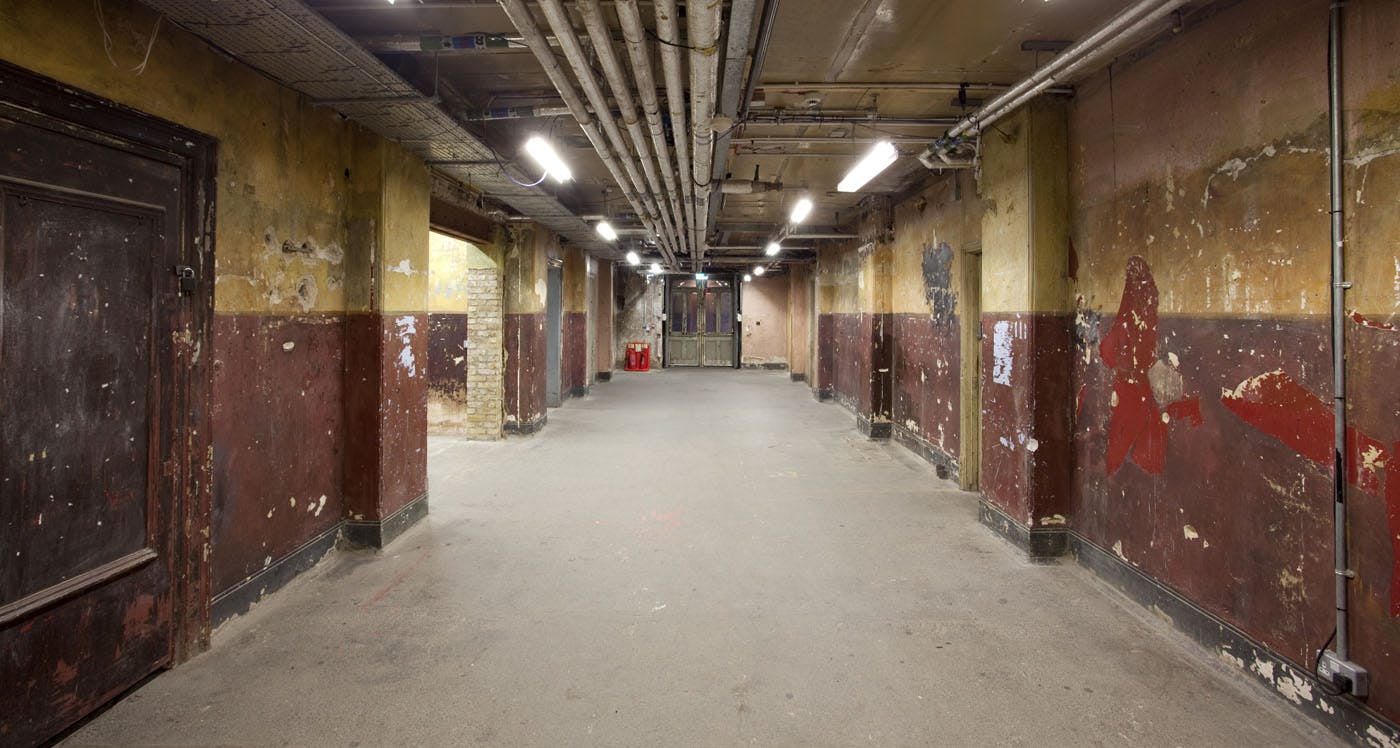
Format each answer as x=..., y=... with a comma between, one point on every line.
x=683, y=341
x=554, y=337
x=86, y=503
x=701, y=329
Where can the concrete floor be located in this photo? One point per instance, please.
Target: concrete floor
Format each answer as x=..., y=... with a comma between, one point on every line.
x=697, y=558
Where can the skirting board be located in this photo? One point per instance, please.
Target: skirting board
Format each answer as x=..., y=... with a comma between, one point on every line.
x=945, y=466
x=363, y=534
x=527, y=428
x=1344, y=716
x=238, y=599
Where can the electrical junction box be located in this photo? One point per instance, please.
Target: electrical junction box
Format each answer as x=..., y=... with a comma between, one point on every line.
x=1344, y=675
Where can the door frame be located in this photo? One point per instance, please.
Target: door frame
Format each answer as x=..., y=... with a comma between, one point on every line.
x=735, y=312
x=44, y=102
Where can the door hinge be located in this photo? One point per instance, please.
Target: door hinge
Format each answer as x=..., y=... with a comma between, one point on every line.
x=188, y=282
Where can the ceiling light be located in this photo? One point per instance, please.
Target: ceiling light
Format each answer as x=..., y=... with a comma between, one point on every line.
x=633, y=259
x=772, y=249
x=605, y=230
x=747, y=277
x=543, y=153
x=758, y=270
x=702, y=276
x=877, y=160
x=656, y=268
x=801, y=210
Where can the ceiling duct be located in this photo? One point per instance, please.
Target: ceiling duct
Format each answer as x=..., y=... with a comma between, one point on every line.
x=297, y=47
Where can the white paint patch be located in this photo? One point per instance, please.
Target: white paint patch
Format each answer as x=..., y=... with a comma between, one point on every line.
x=1249, y=385
x=1032, y=445
x=320, y=504
x=289, y=345
x=1189, y=532
x=1379, y=739
x=1264, y=669
x=1294, y=688
x=1054, y=519
x=1001, y=353
x=407, y=326
x=1229, y=658
x=1118, y=549
x=403, y=268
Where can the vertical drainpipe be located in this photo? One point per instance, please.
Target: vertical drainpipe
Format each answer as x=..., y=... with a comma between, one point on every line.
x=1339, y=287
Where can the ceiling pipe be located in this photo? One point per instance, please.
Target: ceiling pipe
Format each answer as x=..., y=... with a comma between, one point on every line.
x=534, y=38
x=741, y=17
x=824, y=140
x=668, y=30
x=601, y=36
x=760, y=54
x=1132, y=20
x=793, y=117
x=935, y=87
x=560, y=23
x=703, y=29
x=634, y=36
x=746, y=187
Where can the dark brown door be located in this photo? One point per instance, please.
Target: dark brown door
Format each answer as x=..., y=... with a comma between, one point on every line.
x=87, y=479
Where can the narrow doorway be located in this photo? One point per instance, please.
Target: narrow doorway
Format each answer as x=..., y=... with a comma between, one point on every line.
x=970, y=417
x=466, y=387
x=700, y=329
x=554, y=336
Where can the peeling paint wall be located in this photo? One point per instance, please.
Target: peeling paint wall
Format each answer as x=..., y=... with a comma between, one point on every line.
x=640, y=305
x=764, y=301
x=465, y=396
x=305, y=203
x=526, y=264
x=1203, y=425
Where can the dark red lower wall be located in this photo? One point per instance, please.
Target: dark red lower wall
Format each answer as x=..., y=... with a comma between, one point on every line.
x=447, y=357
x=574, y=363
x=1233, y=509
x=926, y=360
x=386, y=413
x=1025, y=386
x=525, y=368
x=279, y=438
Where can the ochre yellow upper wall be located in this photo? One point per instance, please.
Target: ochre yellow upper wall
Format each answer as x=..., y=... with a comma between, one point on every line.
x=287, y=172
x=526, y=267
x=449, y=259
x=922, y=223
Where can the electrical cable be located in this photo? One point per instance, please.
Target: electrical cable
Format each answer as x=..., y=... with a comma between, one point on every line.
x=653, y=35
x=507, y=175
x=107, y=39
x=1323, y=685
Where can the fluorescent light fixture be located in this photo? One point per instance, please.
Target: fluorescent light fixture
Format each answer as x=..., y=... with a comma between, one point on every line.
x=656, y=268
x=702, y=276
x=800, y=211
x=747, y=277
x=758, y=270
x=633, y=259
x=543, y=153
x=605, y=230
x=773, y=249
x=877, y=160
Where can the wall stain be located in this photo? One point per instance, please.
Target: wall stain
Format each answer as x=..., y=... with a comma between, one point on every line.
x=938, y=282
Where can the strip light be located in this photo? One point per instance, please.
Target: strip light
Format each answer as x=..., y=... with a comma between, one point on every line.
x=606, y=231
x=800, y=211
x=633, y=259
x=656, y=268
x=773, y=249
x=543, y=153
x=877, y=160
x=758, y=270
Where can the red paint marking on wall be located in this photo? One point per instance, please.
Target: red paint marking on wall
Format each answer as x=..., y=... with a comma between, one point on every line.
x=1360, y=319
x=1079, y=399
x=64, y=673
x=1136, y=425
x=139, y=617
x=1280, y=407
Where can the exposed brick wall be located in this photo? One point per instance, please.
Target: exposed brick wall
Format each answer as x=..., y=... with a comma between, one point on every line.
x=485, y=362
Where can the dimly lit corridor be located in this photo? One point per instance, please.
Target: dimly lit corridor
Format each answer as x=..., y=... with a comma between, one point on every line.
x=700, y=372
x=821, y=589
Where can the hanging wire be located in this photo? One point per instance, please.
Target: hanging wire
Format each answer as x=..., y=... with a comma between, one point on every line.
x=107, y=39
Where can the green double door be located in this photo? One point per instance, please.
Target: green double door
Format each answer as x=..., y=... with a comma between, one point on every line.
x=700, y=328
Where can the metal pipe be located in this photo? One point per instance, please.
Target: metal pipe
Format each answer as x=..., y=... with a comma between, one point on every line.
x=823, y=140
x=601, y=35
x=703, y=29
x=897, y=86
x=786, y=117
x=1339, y=287
x=559, y=22
x=760, y=54
x=703, y=24
x=1072, y=68
x=1043, y=77
x=741, y=16
x=667, y=29
x=634, y=36
x=746, y=187
x=524, y=22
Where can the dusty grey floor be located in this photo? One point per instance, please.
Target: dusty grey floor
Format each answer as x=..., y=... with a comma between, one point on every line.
x=696, y=558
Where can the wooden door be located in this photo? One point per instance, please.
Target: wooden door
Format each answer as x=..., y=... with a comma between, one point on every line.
x=94, y=389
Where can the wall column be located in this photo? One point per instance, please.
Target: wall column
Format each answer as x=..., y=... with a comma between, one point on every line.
x=1026, y=323
x=525, y=269
x=603, y=325
x=386, y=404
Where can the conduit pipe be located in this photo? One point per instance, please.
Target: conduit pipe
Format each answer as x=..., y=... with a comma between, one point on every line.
x=667, y=29
x=601, y=37
x=703, y=26
x=534, y=39
x=563, y=28
x=634, y=36
x=1339, y=364
x=1122, y=26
